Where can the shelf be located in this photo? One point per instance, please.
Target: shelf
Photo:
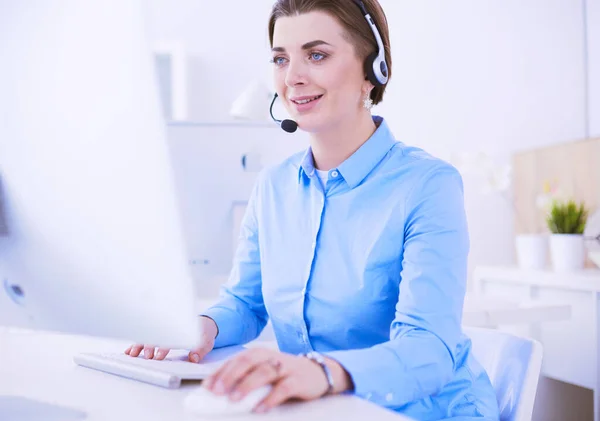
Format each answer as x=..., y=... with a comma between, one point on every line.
x=233, y=123
x=585, y=280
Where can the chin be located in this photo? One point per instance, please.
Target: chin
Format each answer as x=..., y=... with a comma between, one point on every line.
x=313, y=123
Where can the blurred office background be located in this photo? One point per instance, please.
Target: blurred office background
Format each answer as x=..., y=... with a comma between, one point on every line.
x=507, y=90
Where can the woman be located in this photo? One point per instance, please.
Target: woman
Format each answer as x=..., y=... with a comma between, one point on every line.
x=356, y=249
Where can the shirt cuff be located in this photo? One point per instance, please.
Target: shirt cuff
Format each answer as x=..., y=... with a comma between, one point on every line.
x=360, y=365
x=224, y=318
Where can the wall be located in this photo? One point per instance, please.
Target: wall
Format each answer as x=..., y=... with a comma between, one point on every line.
x=593, y=60
x=490, y=76
x=226, y=45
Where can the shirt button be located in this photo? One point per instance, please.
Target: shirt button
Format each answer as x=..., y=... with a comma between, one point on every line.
x=334, y=174
x=389, y=397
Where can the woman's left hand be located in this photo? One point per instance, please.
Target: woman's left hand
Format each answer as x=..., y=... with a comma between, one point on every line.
x=291, y=377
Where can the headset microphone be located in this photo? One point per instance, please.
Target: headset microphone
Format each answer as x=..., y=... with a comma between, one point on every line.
x=289, y=126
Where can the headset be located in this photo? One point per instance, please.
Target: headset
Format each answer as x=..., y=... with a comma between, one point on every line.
x=376, y=67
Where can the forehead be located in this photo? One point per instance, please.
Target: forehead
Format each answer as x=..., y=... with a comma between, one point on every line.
x=293, y=31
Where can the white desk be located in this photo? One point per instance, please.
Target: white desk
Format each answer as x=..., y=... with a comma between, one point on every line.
x=39, y=366
x=572, y=345
x=489, y=311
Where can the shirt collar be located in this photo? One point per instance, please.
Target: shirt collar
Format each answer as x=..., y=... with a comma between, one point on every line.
x=307, y=165
x=360, y=163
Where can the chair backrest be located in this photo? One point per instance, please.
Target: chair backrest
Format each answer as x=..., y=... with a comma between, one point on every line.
x=513, y=364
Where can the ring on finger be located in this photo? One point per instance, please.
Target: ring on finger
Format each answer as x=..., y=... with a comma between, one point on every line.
x=275, y=364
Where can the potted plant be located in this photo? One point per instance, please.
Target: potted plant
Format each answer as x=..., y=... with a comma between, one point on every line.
x=566, y=221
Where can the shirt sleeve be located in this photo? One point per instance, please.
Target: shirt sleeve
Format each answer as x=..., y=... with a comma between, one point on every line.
x=240, y=313
x=420, y=357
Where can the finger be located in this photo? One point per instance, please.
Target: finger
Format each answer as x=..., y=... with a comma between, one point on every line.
x=161, y=353
x=234, y=370
x=128, y=350
x=283, y=390
x=262, y=375
x=149, y=351
x=135, y=350
x=196, y=355
x=210, y=381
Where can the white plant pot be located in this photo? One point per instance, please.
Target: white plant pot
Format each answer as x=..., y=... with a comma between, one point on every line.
x=532, y=251
x=567, y=252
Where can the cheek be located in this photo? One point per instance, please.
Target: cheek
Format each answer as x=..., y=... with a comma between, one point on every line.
x=345, y=85
x=279, y=80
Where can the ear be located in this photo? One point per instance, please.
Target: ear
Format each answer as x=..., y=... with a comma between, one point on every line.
x=367, y=87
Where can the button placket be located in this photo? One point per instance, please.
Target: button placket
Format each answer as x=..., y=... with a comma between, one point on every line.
x=317, y=217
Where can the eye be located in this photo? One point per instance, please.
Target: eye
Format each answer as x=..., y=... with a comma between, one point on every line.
x=317, y=56
x=278, y=61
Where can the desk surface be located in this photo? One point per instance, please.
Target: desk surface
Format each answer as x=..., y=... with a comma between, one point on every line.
x=39, y=366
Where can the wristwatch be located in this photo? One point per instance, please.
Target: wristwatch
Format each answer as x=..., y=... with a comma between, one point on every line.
x=318, y=358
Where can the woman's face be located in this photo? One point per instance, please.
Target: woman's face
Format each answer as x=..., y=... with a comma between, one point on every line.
x=317, y=72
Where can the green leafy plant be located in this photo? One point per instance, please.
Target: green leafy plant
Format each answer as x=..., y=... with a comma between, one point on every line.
x=567, y=217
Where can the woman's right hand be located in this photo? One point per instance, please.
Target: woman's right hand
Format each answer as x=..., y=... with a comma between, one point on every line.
x=207, y=343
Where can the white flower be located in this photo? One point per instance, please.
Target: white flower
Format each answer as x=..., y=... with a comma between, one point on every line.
x=543, y=201
x=498, y=179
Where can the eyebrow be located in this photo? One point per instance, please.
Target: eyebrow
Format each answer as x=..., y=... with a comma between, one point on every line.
x=306, y=46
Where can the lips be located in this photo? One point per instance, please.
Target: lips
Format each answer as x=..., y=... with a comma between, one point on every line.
x=305, y=104
x=305, y=99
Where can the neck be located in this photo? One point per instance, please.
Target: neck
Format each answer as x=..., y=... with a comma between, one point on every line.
x=332, y=147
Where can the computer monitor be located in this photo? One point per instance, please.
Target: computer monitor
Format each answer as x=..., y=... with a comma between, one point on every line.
x=92, y=239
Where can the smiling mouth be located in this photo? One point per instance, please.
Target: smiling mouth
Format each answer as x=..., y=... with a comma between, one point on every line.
x=306, y=101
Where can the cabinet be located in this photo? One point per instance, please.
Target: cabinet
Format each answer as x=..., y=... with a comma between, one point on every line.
x=571, y=345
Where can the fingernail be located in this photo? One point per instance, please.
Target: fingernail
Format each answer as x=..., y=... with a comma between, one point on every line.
x=195, y=358
x=147, y=354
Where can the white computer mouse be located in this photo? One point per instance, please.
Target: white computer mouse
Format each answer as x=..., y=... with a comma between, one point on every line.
x=203, y=402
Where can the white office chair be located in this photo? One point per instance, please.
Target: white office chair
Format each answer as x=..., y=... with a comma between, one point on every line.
x=513, y=364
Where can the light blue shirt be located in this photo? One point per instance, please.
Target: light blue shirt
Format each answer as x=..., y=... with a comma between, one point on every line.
x=369, y=270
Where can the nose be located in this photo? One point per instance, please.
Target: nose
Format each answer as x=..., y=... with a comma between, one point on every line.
x=296, y=74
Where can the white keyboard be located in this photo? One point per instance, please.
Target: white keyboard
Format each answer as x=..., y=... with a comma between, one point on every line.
x=168, y=373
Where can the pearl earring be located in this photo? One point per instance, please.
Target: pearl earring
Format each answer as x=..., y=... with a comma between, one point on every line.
x=368, y=102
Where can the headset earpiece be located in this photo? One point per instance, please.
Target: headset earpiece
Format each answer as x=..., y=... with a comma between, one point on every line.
x=375, y=65
x=370, y=69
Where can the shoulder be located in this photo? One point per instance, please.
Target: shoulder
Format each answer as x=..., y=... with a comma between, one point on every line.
x=420, y=167
x=411, y=163
x=281, y=172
